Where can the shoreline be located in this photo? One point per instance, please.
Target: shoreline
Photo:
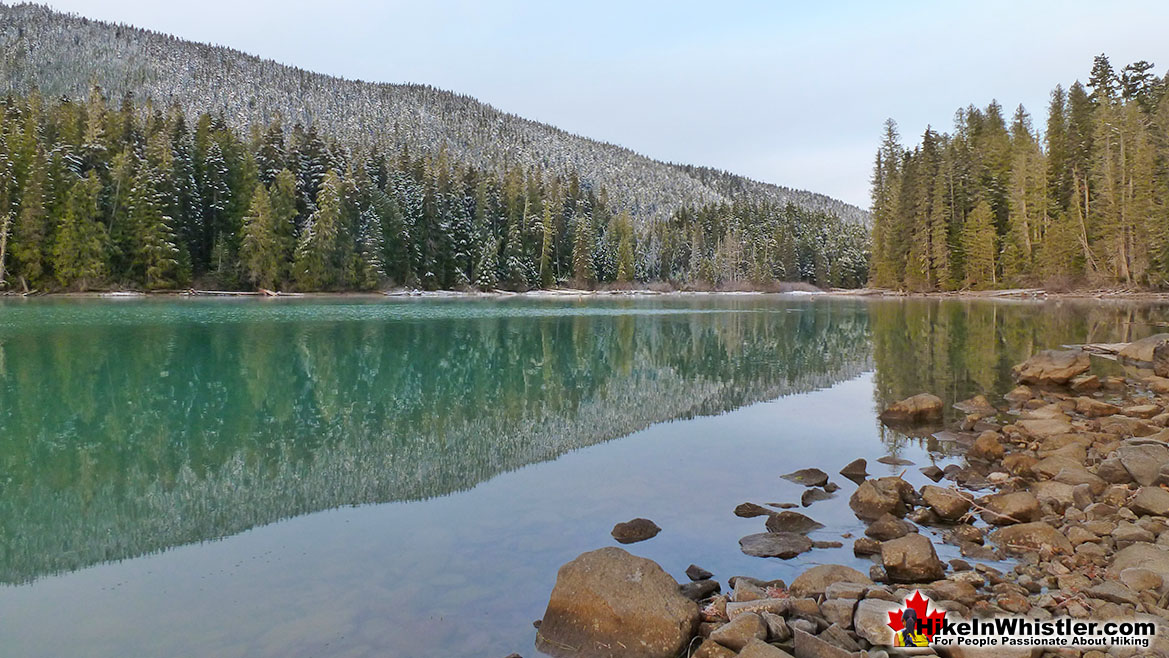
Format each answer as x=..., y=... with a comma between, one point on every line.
x=1065, y=479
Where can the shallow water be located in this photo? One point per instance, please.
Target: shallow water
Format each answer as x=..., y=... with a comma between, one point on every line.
x=403, y=478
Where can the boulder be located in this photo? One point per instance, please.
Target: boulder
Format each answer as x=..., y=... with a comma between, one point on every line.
x=889, y=527
x=911, y=559
x=1143, y=461
x=695, y=572
x=809, y=477
x=810, y=646
x=1034, y=536
x=1041, y=428
x=610, y=603
x=1142, y=411
x=783, y=545
x=871, y=621
x=946, y=503
x=857, y=470
x=888, y=495
x=1008, y=508
x=1149, y=557
x=788, y=521
x=1143, y=351
x=711, y=649
x=635, y=531
x=740, y=630
x=987, y=447
x=1150, y=501
x=815, y=581
x=922, y=407
x=1125, y=426
x=1161, y=359
x=1056, y=494
x=1052, y=367
x=1093, y=408
x=976, y=405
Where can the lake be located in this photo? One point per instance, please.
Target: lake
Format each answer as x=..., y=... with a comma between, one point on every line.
x=404, y=477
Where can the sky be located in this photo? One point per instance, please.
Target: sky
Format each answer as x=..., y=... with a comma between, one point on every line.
x=793, y=93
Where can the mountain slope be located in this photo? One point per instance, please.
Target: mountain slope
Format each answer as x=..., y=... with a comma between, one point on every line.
x=63, y=55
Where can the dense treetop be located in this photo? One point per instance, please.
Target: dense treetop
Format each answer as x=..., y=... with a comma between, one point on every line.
x=998, y=202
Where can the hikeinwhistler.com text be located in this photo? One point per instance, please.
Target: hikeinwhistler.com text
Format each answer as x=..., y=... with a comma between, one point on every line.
x=1059, y=632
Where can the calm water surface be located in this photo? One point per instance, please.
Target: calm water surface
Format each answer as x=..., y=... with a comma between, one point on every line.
x=403, y=478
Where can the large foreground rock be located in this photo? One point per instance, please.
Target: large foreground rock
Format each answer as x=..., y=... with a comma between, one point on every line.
x=1142, y=351
x=919, y=408
x=1052, y=367
x=813, y=582
x=911, y=559
x=610, y=603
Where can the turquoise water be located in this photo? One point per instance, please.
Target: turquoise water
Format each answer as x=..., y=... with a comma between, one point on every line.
x=367, y=477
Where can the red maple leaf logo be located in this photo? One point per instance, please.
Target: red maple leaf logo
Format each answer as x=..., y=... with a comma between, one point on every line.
x=929, y=622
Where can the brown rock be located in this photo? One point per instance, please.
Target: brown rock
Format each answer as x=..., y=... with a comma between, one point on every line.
x=1161, y=359
x=911, y=559
x=918, y=408
x=813, y=582
x=1093, y=408
x=635, y=531
x=740, y=630
x=761, y=649
x=1143, y=411
x=1143, y=461
x=788, y=521
x=751, y=510
x=1150, y=501
x=874, y=498
x=946, y=503
x=1019, y=394
x=1052, y=367
x=616, y=604
x=976, y=405
x=987, y=447
x=1142, y=351
x=809, y=477
x=783, y=545
x=856, y=470
x=1008, y=508
x=1019, y=464
x=711, y=649
x=1035, y=536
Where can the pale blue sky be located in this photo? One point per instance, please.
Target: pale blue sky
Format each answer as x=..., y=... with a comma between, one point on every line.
x=785, y=92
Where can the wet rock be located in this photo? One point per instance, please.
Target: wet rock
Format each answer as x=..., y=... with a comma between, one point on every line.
x=635, y=531
x=789, y=521
x=809, y=477
x=813, y=495
x=618, y=605
x=932, y=472
x=1035, y=536
x=918, y=408
x=699, y=589
x=1142, y=352
x=856, y=470
x=866, y=546
x=1150, y=501
x=946, y=503
x=826, y=544
x=751, y=510
x=887, y=495
x=784, y=545
x=890, y=460
x=987, y=447
x=1019, y=464
x=740, y=630
x=813, y=582
x=761, y=649
x=976, y=405
x=1143, y=462
x=911, y=559
x=889, y=527
x=695, y=572
x=1052, y=367
x=1041, y=428
x=1008, y=508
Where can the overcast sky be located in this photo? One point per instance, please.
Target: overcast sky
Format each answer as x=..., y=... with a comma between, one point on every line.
x=784, y=92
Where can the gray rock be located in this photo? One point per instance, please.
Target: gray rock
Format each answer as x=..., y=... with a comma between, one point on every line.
x=1141, y=556
x=1143, y=462
x=695, y=572
x=1036, y=536
x=871, y=621
x=887, y=495
x=1161, y=359
x=751, y=510
x=809, y=477
x=911, y=559
x=777, y=630
x=1143, y=351
x=635, y=531
x=866, y=546
x=932, y=472
x=813, y=495
x=609, y=598
x=838, y=611
x=810, y=646
x=784, y=545
x=1150, y=501
x=699, y=589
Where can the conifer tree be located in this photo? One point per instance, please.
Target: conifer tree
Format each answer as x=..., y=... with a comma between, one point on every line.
x=978, y=243
x=317, y=264
x=584, y=242
x=78, y=250
x=260, y=248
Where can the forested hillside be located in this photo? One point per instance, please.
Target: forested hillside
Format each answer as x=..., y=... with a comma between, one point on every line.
x=998, y=202
x=133, y=159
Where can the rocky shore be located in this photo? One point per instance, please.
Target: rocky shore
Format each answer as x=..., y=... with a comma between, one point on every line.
x=1065, y=480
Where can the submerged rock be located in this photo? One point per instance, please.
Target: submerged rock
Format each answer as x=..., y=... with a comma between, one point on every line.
x=976, y=405
x=783, y=545
x=813, y=495
x=613, y=604
x=918, y=408
x=636, y=530
x=1052, y=367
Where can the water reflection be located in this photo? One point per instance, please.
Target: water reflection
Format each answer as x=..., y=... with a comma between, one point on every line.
x=133, y=427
